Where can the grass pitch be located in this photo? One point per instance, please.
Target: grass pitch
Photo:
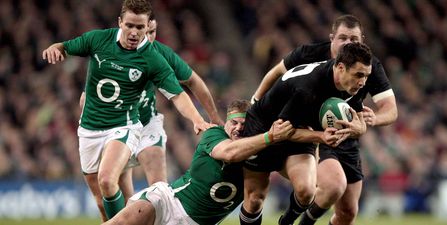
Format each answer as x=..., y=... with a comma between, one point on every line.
x=272, y=220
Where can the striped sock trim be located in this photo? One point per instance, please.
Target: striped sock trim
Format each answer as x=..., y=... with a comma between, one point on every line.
x=248, y=219
x=113, y=198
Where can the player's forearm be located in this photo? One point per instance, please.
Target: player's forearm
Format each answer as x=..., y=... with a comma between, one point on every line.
x=385, y=118
x=202, y=93
x=242, y=149
x=387, y=111
x=185, y=106
x=307, y=136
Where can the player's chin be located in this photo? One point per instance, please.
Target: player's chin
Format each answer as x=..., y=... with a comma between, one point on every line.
x=354, y=91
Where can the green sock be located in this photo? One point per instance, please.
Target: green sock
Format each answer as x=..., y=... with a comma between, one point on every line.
x=112, y=205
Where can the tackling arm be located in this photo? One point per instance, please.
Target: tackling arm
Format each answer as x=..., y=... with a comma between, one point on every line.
x=203, y=94
x=269, y=79
x=238, y=150
x=185, y=106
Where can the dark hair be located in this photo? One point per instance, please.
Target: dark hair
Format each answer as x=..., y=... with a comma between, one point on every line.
x=348, y=20
x=239, y=105
x=354, y=52
x=152, y=16
x=137, y=7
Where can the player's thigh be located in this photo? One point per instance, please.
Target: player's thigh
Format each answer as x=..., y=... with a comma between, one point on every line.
x=115, y=157
x=330, y=174
x=153, y=161
x=301, y=171
x=140, y=212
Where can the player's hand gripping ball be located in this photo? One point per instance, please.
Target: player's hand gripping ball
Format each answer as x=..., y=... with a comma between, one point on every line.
x=334, y=109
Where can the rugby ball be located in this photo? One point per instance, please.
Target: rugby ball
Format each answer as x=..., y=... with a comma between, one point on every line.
x=334, y=109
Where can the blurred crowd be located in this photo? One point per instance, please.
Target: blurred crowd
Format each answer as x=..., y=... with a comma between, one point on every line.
x=39, y=104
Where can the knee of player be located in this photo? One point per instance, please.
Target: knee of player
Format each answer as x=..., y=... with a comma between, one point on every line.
x=347, y=213
x=305, y=194
x=107, y=183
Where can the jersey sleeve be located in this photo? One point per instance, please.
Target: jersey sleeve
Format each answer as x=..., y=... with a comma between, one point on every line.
x=305, y=54
x=81, y=45
x=293, y=58
x=181, y=68
x=212, y=137
x=163, y=77
x=378, y=81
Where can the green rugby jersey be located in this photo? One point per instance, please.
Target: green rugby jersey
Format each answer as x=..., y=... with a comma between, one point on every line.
x=210, y=189
x=116, y=78
x=182, y=72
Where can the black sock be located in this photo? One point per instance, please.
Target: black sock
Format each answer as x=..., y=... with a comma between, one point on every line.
x=312, y=214
x=293, y=211
x=249, y=218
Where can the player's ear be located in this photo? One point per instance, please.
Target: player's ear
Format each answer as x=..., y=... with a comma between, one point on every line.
x=119, y=20
x=341, y=66
x=331, y=37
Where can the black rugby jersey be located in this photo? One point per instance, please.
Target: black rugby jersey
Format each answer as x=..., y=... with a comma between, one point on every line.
x=297, y=96
x=377, y=82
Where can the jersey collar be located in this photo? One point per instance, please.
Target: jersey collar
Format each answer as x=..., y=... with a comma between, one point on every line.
x=145, y=40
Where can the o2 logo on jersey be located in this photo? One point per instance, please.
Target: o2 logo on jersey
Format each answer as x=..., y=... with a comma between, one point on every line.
x=223, y=192
x=134, y=74
x=301, y=70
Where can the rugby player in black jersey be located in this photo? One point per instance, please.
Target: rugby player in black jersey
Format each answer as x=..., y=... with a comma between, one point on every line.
x=297, y=97
x=339, y=172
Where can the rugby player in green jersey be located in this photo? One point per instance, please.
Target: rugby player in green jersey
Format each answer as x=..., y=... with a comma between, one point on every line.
x=151, y=151
x=213, y=186
x=122, y=61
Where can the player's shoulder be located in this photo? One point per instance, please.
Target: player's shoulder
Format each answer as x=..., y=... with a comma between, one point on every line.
x=162, y=48
x=214, y=131
x=308, y=53
x=158, y=45
x=318, y=46
x=317, y=50
x=103, y=32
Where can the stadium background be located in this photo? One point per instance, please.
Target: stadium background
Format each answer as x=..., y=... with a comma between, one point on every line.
x=231, y=44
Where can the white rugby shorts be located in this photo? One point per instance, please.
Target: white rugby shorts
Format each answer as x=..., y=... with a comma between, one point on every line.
x=153, y=134
x=92, y=142
x=168, y=209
